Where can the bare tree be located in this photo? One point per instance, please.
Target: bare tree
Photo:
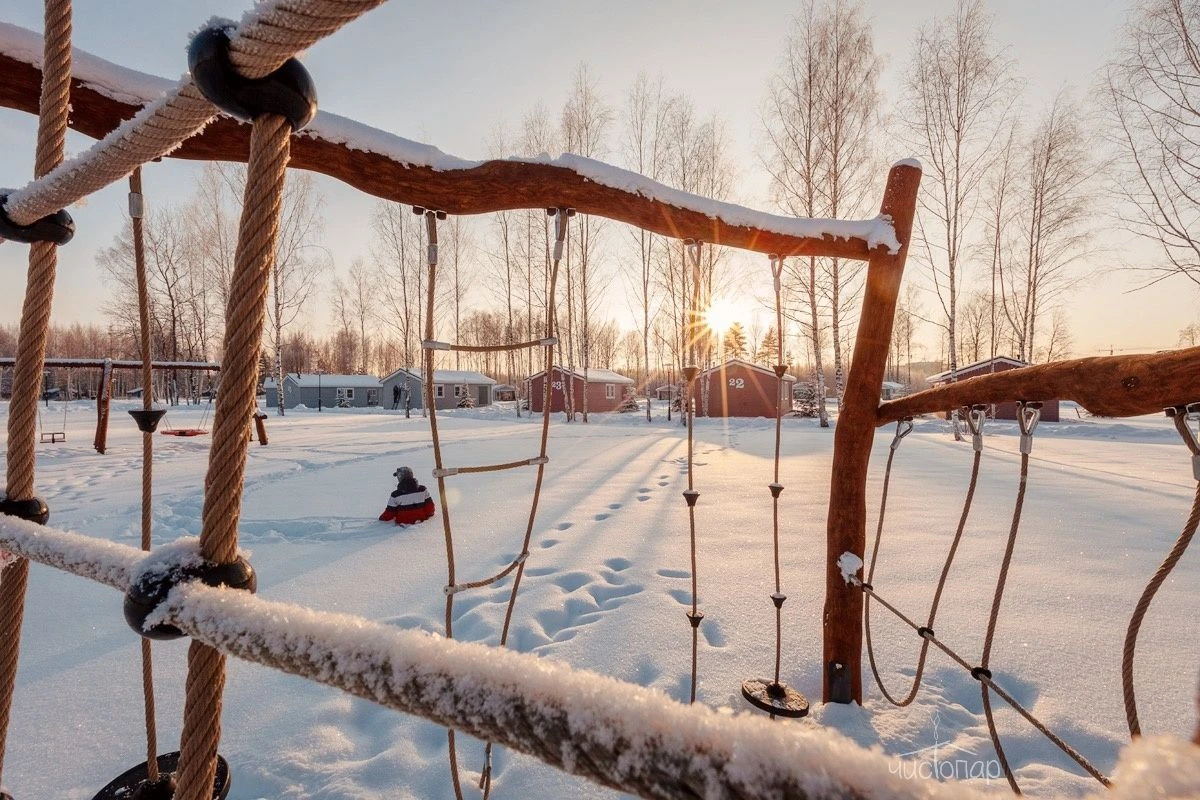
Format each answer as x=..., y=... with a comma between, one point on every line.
x=1152, y=99
x=397, y=253
x=585, y=122
x=299, y=261
x=959, y=93
x=647, y=109
x=353, y=306
x=1053, y=231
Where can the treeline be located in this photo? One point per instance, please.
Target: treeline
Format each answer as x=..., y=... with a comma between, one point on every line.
x=1009, y=207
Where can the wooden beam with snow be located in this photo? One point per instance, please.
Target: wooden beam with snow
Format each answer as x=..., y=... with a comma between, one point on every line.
x=463, y=187
x=1108, y=386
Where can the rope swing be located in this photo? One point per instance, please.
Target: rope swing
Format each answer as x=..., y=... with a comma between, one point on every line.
x=690, y=495
x=776, y=697
x=441, y=472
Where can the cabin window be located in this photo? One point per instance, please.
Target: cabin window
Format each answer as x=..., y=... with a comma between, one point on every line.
x=610, y=391
x=458, y=391
x=345, y=394
x=439, y=390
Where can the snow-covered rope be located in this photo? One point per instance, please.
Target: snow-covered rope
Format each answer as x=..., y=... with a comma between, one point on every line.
x=32, y=336
x=268, y=36
x=627, y=737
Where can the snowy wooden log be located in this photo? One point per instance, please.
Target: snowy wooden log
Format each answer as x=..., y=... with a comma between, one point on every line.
x=395, y=169
x=1108, y=386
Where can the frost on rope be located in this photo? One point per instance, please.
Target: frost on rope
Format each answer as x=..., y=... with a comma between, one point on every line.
x=130, y=86
x=100, y=560
x=849, y=564
x=611, y=732
x=1159, y=767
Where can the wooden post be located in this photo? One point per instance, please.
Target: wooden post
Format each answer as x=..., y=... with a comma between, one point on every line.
x=855, y=432
x=261, y=426
x=103, y=406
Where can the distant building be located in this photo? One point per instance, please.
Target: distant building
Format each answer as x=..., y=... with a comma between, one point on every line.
x=738, y=388
x=997, y=364
x=605, y=389
x=449, y=388
x=890, y=390
x=324, y=390
x=503, y=392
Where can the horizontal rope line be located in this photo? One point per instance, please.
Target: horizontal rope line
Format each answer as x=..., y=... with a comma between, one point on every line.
x=613, y=733
x=446, y=472
x=430, y=344
x=479, y=584
x=1000, y=692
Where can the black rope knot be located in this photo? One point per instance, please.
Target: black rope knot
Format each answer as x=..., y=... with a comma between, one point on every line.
x=288, y=91
x=925, y=632
x=151, y=588
x=34, y=509
x=695, y=617
x=57, y=228
x=147, y=419
x=981, y=674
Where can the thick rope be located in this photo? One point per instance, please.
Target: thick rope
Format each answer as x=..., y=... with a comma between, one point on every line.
x=780, y=388
x=941, y=585
x=244, y=316
x=1160, y=575
x=268, y=37
x=143, y=292
x=31, y=343
x=447, y=530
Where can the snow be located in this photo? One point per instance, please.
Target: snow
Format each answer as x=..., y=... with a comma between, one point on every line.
x=130, y=86
x=604, y=591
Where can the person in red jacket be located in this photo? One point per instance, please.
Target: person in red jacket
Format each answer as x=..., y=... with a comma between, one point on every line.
x=410, y=503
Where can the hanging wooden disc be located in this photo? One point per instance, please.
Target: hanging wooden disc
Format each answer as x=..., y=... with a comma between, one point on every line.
x=775, y=698
x=135, y=784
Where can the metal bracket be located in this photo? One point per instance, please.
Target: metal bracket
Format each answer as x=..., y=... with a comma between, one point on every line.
x=976, y=416
x=1028, y=415
x=903, y=428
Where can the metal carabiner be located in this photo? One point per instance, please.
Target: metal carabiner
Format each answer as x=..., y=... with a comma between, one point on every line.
x=1028, y=415
x=903, y=428
x=1182, y=416
x=976, y=415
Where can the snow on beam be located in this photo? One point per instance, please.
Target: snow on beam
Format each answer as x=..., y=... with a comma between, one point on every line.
x=616, y=734
x=392, y=168
x=1108, y=386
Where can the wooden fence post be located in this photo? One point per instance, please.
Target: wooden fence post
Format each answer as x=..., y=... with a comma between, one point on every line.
x=103, y=405
x=853, y=436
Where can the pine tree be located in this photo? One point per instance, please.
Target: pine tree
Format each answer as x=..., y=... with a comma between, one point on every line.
x=735, y=342
x=768, y=350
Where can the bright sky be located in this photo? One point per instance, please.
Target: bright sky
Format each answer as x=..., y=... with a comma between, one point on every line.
x=448, y=74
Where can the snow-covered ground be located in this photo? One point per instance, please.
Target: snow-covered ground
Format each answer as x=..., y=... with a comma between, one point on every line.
x=608, y=582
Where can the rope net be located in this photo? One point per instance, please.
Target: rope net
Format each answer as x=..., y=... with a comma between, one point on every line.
x=693, y=752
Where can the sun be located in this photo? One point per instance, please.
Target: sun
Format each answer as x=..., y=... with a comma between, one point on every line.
x=721, y=314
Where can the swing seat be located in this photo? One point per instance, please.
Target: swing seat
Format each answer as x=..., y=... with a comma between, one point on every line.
x=775, y=698
x=185, y=432
x=135, y=782
x=54, y=437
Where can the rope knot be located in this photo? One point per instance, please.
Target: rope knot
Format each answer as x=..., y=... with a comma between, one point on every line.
x=288, y=92
x=169, y=566
x=34, y=509
x=57, y=228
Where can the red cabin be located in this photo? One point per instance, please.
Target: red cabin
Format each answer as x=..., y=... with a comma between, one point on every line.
x=738, y=388
x=998, y=364
x=605, y=389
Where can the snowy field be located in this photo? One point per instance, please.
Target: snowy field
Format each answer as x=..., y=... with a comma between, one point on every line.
x=607, y=585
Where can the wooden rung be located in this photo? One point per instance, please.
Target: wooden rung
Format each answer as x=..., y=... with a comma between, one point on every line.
x=54, y=437
x=430, y=344
x=525, y=462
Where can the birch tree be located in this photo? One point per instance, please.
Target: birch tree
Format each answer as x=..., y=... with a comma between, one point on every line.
x=959, y=91
x=1154, y=107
